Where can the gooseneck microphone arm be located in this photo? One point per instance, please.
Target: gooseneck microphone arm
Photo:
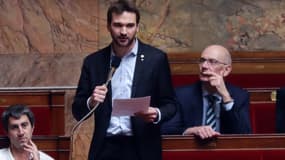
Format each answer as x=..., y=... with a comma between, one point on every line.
x=115, y=62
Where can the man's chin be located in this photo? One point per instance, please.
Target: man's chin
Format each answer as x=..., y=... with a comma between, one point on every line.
x=123, y=43
x=23, y=142
x=19, y=145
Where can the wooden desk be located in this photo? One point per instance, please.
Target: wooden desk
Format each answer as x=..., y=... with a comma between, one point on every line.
x=225, y=147
x=56, y=146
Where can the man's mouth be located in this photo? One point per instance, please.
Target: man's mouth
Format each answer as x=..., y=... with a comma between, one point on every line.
x=123, y=38
x=23, y=140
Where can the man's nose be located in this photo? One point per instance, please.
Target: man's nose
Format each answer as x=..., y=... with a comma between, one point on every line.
x=123, y=31
x=21, y=131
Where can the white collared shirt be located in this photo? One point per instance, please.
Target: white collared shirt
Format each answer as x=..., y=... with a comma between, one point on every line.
x=122, y=82
x=6, y=154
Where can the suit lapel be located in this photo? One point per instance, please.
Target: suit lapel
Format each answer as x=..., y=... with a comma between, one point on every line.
x=140, y=65
x=198, y=104
x=105, y=63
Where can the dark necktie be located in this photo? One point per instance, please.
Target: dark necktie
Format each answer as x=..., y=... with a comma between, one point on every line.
x=210, y=114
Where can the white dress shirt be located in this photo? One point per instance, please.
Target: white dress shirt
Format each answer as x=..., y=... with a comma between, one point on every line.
x=122, y=82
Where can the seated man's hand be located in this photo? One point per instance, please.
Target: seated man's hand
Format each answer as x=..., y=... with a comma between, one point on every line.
x=203, y=132
x=149, y=116
x=32, y=149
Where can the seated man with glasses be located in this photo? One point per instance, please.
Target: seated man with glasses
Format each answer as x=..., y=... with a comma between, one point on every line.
x=211, y=106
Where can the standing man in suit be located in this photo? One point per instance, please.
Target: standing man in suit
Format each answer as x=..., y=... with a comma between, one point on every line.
x=230, y=107
x=143, y=71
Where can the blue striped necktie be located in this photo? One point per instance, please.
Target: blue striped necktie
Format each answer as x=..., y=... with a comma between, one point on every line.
x=210, y=114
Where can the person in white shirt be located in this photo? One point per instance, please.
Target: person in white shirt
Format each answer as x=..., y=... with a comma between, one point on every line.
x=18, y=122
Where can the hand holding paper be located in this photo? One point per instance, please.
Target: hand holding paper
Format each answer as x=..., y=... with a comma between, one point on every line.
x=149, y=116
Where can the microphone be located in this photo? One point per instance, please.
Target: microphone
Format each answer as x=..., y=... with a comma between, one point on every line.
x=115, y=63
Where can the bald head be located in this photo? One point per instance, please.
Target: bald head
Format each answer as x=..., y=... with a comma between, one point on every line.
x=219, y=52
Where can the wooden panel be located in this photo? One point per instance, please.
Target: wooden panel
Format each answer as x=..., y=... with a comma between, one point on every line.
x=48, y=106
x=225, y=155
x=225, y=147
x=266, y=146
x=57, y=98
x=81, y=139
x=262, y=95
x=38, y=99
x=243, y=63
x=57, y=121
x=262, y=104
x=225, y=142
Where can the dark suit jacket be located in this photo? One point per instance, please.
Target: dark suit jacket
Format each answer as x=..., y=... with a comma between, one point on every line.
x=190, y=112
x=151, y=78
x=280, y=110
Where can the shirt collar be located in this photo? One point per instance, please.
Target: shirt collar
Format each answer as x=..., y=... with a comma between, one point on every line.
x=205, y=93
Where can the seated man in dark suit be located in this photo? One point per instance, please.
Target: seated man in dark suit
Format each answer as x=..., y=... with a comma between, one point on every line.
x=211, y=106
x=280, y=110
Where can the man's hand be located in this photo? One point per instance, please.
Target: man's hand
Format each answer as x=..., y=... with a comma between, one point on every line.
x=32, y=149
x=203, y=132
x=149, y=116
x=98, y=95
x=217, y=81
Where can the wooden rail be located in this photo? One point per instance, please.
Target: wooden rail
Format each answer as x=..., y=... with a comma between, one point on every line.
x=225, y=147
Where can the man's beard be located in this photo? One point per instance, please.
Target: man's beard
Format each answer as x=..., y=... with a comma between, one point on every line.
x=128, y=44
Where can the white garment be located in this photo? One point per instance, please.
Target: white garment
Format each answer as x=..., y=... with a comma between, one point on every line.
x=122, y=82
x=5, y=154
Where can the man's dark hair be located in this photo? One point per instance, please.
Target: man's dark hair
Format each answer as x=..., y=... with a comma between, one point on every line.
x=16, y=111
x=121, y=6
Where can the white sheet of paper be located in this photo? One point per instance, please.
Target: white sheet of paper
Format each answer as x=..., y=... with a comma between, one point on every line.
x=127, y=107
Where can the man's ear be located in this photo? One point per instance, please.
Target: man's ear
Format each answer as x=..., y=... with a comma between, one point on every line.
x=227, y=71
x=33, y=127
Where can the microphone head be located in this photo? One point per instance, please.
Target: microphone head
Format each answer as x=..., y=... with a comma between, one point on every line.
x=115, y=62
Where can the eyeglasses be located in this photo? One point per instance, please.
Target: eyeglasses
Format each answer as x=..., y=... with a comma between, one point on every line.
x=210, y=61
